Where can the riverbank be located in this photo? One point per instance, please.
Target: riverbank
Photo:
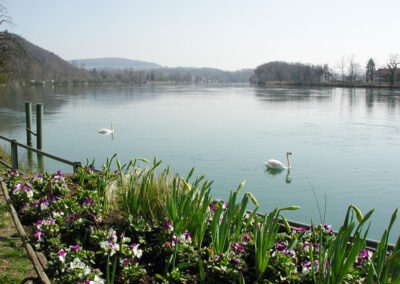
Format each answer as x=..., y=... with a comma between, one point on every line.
x=375, y=85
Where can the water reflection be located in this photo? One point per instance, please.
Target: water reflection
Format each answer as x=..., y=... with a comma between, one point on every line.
x=298, y=94
x=353, y=96
x=275, y=172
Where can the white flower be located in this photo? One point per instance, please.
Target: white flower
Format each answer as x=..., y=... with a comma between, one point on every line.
x=77, y=263
x=29, y=192
x=137, y=252
x=109, y=247
x=97, y=280
x=112, y=236
x=17, y=188
x=87, y=270
x=125, y=239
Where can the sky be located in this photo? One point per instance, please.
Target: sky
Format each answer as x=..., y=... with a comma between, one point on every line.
x=224, y=34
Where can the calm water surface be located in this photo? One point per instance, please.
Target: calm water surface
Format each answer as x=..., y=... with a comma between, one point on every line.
x=345, y=142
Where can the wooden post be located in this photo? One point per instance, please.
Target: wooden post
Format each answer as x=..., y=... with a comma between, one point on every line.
x=39, y=126
x=40, y=163
x=28, y=114
x=14, y=154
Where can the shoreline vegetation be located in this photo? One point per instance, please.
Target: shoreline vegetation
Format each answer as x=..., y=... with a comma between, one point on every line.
x=367, y=85
x=338, y=84
x=25, y=64
x=142, y=224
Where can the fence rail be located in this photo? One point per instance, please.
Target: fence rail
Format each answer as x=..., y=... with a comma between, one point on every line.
x=14, y=154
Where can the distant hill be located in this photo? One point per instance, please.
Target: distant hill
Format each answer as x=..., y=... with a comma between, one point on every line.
x=113, y=63
x=39, y=64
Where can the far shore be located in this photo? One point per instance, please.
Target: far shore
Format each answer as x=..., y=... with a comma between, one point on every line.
x=375, y=85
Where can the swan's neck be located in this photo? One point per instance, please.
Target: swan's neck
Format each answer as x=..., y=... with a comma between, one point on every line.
x=288, y=162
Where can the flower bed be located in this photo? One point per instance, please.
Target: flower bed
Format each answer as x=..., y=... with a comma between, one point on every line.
x=133, y=226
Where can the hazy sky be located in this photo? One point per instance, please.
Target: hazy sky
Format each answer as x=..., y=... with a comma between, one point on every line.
x=226, y=34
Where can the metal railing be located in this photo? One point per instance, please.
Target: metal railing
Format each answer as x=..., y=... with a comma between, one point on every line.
x=14, y=154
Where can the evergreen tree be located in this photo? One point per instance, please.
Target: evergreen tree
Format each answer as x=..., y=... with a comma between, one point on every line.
x=370, y=72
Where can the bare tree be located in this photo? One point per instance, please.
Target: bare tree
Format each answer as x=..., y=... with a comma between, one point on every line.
x=341, y=65
x=10, y=46
x=392, y=65
x=354, y=69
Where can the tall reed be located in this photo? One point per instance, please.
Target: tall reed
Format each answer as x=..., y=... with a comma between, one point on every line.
x=188, y=206
x=385, y=267
x=227, y=224
x=264, y=239
x=337, y=257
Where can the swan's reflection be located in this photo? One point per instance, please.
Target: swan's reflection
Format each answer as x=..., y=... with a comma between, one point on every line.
x=274, y=172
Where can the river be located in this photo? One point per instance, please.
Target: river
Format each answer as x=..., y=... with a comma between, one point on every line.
x=345, y=142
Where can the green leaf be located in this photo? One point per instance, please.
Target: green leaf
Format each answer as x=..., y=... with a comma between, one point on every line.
x=201, y=271
x=286, y=223
x=241, y=186
x=290, y=208
x=143, y=160
x=253, y=199
x=358, y=213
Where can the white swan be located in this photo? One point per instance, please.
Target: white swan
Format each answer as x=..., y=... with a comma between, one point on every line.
x=106, y=131
x=274, y=164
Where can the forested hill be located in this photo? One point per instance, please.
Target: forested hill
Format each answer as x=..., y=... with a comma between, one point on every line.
x=112, y=63
x=26, y=63
x=38, y=64
x=279, y=71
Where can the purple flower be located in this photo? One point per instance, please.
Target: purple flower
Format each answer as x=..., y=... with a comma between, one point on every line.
x=238, y=246
x=88, y=201
x=75, y=247
x=38, y=234
x=280, y=247
x=126, y=261
x=328, y=228
x=306, y=263
x=34, y=204
x=44, y=204
x=246, y=238
x=235, y=260
x=213, y=208
x=116, y=172
x=169, y=226
x=364, y=255
x=176, y=239
x=62, y=253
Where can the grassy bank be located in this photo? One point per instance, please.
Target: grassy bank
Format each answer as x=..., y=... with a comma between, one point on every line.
x=15, y=265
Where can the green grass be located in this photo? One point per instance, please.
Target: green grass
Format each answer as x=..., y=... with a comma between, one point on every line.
x=15, y=265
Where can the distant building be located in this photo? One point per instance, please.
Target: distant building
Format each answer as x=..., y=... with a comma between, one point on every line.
x=383, y=75
x=326, y=75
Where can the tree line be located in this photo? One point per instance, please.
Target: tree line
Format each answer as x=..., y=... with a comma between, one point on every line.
x=347, y=70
